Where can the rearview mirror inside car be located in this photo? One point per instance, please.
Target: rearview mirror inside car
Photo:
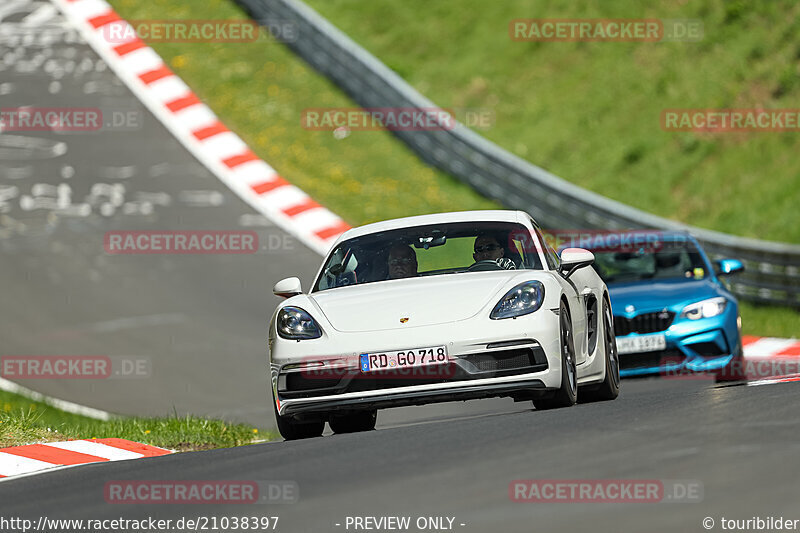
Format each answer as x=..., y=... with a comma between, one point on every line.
x=436, y=238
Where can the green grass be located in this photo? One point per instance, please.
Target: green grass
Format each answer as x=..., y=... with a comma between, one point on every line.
x=19, y=425
x=587, y=111
x=24, y=421
x=590, y=111
x=766, y=321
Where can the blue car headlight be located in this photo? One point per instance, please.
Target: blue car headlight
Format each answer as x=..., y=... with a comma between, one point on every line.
x=705, y=308
x=294, y=323
x=523, y=299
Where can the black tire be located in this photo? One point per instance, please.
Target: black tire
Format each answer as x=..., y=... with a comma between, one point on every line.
x=609, y=388
x=567, y=394
x=291, y=429
x=353, y=422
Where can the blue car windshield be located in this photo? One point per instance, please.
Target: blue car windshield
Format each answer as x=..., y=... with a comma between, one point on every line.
x=668, y=262
x=433, y=250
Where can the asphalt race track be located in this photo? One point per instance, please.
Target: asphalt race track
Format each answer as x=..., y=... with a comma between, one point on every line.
x=200, y=322
x=739, y=443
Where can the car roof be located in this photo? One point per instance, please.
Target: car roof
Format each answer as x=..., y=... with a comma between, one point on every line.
x=489, y=215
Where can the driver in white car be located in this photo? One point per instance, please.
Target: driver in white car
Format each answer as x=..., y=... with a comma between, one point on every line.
x=402, y=262
x=488, y=248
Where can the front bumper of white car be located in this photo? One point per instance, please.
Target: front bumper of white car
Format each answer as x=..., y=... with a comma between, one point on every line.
x=523, y=387
x=514, y=357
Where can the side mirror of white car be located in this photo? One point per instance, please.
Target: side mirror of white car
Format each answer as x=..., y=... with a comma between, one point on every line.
x=286, y=288
x=574, y=258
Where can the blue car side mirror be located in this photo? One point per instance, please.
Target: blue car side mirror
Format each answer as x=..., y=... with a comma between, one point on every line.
x=729, y=266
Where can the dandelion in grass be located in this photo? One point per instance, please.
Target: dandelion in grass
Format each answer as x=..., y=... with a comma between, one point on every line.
x=178, y=61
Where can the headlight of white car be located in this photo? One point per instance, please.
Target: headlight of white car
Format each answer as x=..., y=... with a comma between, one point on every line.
x=705, y=308
x=294, y=323
x=523, y=299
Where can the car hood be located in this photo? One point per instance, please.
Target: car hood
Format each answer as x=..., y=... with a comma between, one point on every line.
x=422, y=301
x=654, y=296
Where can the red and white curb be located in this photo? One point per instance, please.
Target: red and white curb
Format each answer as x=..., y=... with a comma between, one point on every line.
x=772, y=360
x=199, y=130
x=766, y=347
x=34, y=458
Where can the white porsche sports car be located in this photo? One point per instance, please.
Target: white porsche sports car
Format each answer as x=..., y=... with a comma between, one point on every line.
x=434, y=308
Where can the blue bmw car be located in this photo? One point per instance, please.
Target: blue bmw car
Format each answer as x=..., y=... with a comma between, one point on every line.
x=672, y=315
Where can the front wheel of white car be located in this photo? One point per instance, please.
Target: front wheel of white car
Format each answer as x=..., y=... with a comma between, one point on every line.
x=567, y=394
x=291, y=429
x=609, y=388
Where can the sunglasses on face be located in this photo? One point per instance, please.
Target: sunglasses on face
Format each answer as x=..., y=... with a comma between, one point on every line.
x=486, y=248
x=400, y=261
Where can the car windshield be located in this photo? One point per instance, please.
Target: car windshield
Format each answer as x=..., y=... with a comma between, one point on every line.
x=667, y=261
x=431, y=250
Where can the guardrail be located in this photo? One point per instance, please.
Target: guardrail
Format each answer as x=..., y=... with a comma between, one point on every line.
x=772, y=272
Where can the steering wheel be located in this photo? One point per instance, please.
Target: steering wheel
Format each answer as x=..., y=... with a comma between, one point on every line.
x=485, y=265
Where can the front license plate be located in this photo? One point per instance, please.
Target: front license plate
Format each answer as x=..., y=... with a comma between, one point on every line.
x=371, y=362
x=641, y=343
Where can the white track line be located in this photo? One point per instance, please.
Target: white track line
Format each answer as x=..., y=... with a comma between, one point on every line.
x=69, y=407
